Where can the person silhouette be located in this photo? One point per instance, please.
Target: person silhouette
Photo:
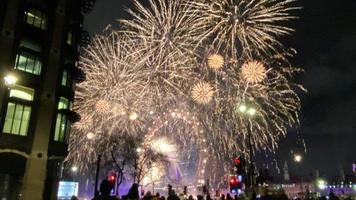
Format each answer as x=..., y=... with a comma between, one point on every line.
x=105, y=190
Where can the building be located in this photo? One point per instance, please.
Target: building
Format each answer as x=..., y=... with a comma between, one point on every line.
x=39, y=45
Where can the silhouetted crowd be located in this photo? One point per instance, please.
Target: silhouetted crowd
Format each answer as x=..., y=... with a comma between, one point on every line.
x=133, y=194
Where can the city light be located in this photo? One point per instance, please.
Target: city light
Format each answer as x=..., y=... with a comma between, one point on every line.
x=321, y=184
x=242, y=108
x=74, y=169
x=138, y=150
x=247, y=110
x=298, y=158
x=251, y=111
x=10, y=80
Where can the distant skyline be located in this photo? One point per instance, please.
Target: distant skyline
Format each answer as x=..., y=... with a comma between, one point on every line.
x=325, y=39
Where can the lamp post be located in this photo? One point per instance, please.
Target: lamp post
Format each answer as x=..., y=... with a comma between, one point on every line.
x=298, y=158
x=138, y=151
x=96, y=192
x=250, y=112
x=91, y=136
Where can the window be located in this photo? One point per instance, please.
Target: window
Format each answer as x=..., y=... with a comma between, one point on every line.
x=28, y=59
x=17, y=119
x=30, y=45
x=23, y=93
x=29, y=63
x=64, y=104
x=18, y=115
x=66, y=79
x=70, y=38
x=62, y=128
x=36, y=18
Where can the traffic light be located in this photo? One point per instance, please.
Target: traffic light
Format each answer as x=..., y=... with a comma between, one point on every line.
x=112, y=180
x=235, y=184
x=239, y=176
x=239, y=166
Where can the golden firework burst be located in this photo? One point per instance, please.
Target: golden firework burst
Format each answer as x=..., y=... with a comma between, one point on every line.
x=216, y=61
x=203, y=93
x=253, y=72
x=102, y=107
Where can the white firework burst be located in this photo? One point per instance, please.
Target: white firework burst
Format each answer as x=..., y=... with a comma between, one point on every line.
x=245, y=26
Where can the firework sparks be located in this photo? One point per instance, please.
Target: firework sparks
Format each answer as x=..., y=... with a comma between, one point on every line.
x=102, y=107
x=137, y=75
x=216, y=61
x=253, y=72
x=202, y=93
x=250, y=25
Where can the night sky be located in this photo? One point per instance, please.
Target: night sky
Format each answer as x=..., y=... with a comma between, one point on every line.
x=325, y=39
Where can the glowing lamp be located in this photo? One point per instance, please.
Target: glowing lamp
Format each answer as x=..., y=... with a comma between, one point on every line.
x=10, y=80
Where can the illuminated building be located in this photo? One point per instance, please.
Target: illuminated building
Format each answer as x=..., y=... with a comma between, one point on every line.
x=39, y=45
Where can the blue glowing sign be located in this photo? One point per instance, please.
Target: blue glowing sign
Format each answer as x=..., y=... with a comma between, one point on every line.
x=67, y=189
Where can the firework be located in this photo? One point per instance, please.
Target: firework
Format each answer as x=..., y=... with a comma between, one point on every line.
x=202, y=93
x=253, y=72
x=244, y=26
x=164, y=146
x=165, y=45
x=102, y=106
x=216, y=61
x=141, y=81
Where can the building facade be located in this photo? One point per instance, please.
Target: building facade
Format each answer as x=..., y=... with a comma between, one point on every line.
x=39, y=46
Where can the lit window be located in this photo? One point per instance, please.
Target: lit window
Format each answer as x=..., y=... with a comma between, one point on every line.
x=17, y=119
x=36, y=18
x=23, y=93
x=62, y=128
x=66, y=79
x=28, y=63
x=70, y=38
x=18, y=115
x=64, y=103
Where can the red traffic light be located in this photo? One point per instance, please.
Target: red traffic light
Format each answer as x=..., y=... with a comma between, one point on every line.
x=233, y=180
x=237, y=161
x=112, y=178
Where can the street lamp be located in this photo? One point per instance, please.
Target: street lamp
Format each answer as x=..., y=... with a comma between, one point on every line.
x=10, y=80
x=250, y=112
x=138, y=150
x=298, y=158
x=90, y=136
x=74, y=169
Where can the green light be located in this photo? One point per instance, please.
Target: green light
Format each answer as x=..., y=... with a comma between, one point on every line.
x=242, y=108
x=251, y=111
